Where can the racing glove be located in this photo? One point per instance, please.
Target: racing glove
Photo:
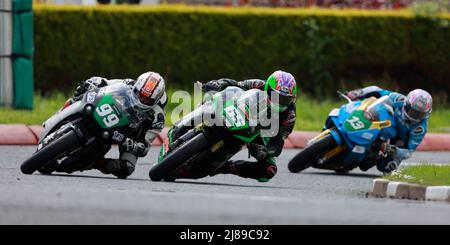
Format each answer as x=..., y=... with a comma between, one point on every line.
x=136, y=148
x=218, y=85
x=93, y=82
x=354, y=94
x=211, y=86
x=387, y=150
x=392, y=157
x=395, y=152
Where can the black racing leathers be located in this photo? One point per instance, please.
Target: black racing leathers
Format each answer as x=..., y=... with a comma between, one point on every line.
x=137, y=145
x=265, y=168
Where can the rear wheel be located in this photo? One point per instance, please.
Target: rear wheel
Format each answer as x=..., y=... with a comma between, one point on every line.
x=50, y=152
x=163, y=169
x=309, y=155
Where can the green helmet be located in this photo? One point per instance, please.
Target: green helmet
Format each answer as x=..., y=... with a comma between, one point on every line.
x=284, y=85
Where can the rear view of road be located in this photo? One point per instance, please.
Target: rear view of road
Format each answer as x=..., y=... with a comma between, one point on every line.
x=313, y=197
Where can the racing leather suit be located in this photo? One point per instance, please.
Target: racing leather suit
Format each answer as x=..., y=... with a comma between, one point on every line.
x=265, y=168
x=409, y=135
x=137, y=145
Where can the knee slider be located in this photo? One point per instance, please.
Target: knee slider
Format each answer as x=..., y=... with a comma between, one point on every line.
x=271, y=171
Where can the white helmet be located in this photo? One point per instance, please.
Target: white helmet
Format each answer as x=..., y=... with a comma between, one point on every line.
x=418, y=105
x=149, y=87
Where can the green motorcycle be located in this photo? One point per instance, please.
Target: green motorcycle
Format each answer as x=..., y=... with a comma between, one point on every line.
x=102, y=117
x=207, y=145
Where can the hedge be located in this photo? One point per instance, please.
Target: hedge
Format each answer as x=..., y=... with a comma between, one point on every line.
x=326, y=50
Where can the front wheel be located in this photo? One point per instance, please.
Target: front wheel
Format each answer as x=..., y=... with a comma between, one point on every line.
x=163, y=169
x=309, y=155
x=50, y=152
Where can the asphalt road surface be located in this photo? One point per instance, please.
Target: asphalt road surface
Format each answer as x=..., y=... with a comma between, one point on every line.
x=313, y=197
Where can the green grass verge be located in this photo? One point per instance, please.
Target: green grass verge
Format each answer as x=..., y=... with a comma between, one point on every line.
x=44, y=107
x=311, y=113
x=429, y=175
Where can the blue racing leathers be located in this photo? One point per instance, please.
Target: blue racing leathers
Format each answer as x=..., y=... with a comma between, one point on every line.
x=409, y=134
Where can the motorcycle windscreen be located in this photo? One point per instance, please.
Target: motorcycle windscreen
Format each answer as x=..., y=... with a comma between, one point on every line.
x=380, y=110
x=248, y=111
x=119, y=106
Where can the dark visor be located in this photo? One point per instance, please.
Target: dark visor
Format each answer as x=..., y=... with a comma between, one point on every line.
x=146, y=100
x=282, y=100
x=413, y=114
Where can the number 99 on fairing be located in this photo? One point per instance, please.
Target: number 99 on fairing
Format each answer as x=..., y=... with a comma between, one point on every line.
x=110, y=119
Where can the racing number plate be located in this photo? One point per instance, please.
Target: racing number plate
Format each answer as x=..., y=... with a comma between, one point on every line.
x=235, y=116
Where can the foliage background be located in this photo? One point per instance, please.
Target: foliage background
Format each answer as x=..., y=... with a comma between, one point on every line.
x=326, y=50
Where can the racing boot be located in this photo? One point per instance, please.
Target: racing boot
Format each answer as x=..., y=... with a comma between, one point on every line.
x=262, y=171
x=121, y=168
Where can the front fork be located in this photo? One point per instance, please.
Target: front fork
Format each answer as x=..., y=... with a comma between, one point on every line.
x=171, y=143
x=341, y=147
x=61, y=131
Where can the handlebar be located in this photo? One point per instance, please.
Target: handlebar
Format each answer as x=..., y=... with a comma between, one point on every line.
x=342, y=95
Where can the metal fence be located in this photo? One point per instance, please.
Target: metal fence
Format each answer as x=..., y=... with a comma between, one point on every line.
x=6, y=79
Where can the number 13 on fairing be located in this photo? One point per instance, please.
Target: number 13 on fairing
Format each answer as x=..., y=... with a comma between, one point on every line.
x=110, y=119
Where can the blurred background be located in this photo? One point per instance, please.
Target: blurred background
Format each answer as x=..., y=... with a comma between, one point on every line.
x=367, y=4
x=48, y=46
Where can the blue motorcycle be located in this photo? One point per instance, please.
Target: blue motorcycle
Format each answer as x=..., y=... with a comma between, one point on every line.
x=352, y=137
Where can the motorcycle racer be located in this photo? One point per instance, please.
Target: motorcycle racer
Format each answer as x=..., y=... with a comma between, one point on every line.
x=265, y=168
x=150, y=89
x=411, y=113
